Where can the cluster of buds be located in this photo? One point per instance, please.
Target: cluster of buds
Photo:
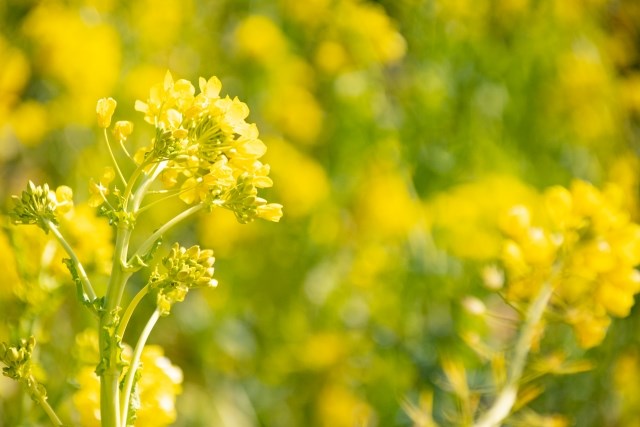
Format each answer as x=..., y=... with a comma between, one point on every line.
x=39, y=205
x=208, y=146
x=586, y=247
x=243, y=200
x=17, y=358
x=185, y=269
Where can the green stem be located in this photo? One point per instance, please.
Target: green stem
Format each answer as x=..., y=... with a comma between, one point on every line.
x=113, y=158
x=132, y=180
x=74, y=258
x=148, y=243
x=143, y=188
x=135, y=363
x=110, y=342
x=165, y=198
x=35, y=390
x=130, y=309
x=503, y=404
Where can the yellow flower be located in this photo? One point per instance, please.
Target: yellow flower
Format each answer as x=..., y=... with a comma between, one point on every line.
x=105, y=109
x=270, y=212
x=588, y=251
x=211, y=151
x=122, y=129
x=100, y=189
x=64, y=197
x=516, y=221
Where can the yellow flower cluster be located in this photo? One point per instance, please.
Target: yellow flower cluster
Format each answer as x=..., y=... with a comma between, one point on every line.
x=206, y=144
x=586, y=247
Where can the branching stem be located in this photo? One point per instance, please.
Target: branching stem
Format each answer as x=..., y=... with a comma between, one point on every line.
x=130, y=309
x=503, y=404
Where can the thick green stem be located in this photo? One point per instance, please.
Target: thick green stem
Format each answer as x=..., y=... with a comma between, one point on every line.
x=135, y=363
x=503, y=404
x=110, y=323
x=109, y=340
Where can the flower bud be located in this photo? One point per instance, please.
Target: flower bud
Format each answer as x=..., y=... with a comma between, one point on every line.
x=105, y=109
x=13, y=355
x=122, y=129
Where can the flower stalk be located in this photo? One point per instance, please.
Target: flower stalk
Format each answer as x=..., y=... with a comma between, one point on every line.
x=207, y=154
x=506, y=398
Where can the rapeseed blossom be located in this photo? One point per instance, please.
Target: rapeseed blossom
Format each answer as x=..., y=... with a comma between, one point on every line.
x=207, y=147
x=586, y=247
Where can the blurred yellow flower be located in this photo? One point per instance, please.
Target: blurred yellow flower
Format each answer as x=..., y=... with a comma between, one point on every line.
x=338, y=406
x=59, y=29
x=30, y=122
x=386, y=205
x=302, y=182
x=467, y=216
x=159, y=385
x=259, y=38
x=587, y=249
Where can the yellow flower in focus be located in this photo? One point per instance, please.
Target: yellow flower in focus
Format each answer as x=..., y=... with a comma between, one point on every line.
x=270, y=212
x=122, y=129
x=105, y=109
x=207, y=147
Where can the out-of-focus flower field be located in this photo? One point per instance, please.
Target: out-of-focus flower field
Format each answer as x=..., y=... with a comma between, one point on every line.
x=398, y=134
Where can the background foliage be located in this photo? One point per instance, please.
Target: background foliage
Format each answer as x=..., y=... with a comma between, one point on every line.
x=397, y=131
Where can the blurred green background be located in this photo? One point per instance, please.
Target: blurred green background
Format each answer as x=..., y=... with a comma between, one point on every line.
x=396, y=133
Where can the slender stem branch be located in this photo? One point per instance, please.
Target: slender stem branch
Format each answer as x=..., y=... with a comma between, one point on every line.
x=125, y=150
x=146, y=245
x=503, y=404
x=130, y=185
x=86, y=283
x=113, y=158
x=165, y=198
x=130, y=309
x=42, y=401
x=142, y=190
x=135, y=362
